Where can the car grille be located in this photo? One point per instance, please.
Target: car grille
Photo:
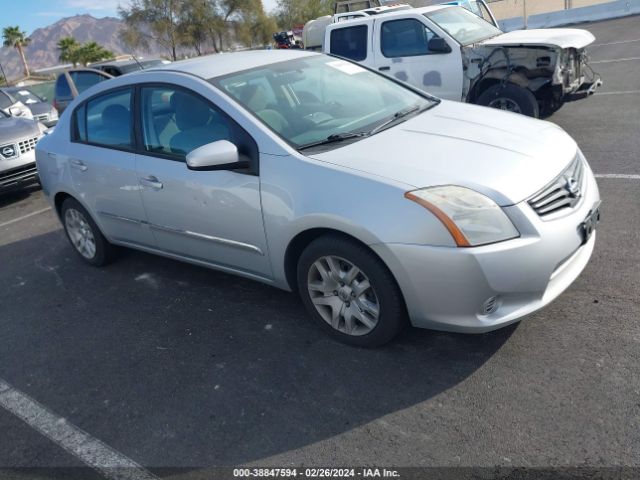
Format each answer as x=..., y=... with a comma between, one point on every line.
x=23, y=173
x=27, y=145
x=42, y=118
x=563, y=192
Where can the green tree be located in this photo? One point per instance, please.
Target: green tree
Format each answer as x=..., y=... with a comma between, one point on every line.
x=298, y=12
x=200, y=24
x=152, y=21
x=16, y=38
x=92, y=52
x=68, y=47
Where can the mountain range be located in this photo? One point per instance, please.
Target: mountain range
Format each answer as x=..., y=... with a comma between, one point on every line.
x=43, y=51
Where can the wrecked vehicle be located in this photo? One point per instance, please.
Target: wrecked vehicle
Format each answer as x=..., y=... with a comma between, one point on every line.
x=453, y=54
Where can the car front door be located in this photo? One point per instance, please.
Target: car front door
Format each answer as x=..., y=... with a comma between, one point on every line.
x=408, y=50
x=101, y=160
x=212, y=217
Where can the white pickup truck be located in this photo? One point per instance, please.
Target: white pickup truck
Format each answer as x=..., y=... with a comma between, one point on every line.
x=453, y=54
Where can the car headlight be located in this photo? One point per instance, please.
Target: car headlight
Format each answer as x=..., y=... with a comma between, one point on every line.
x=471, y=218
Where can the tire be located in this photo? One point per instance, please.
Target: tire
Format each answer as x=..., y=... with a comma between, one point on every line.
x=84, y=235
x=510, y=97
x=338, y=299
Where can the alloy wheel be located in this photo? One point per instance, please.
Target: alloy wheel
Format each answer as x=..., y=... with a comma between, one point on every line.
x=80, y=233
x=343, y=296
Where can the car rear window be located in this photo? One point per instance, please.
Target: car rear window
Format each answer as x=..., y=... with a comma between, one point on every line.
x=350, y=42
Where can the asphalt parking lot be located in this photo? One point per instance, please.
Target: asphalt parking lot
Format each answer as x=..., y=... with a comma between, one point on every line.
x=172, y=365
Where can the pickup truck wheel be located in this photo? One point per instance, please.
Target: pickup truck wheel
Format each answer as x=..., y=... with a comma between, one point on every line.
x=511, y=98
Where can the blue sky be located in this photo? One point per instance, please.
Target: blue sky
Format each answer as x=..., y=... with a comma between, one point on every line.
x=32, y=14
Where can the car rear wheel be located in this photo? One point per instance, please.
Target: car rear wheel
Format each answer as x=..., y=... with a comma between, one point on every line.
x=511, y=98
x=349, y=292
x=84, y=235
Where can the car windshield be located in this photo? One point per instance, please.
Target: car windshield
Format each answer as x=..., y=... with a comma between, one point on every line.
x=25, y=96
x=465, y=27
x=321, y=99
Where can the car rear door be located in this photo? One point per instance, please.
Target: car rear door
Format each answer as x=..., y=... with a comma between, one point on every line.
x=213, y=217
x=101, y=160
x=404, y=49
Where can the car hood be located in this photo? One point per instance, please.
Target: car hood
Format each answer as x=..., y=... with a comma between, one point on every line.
x=15, y=128
x=551, y=37
x=503, y=155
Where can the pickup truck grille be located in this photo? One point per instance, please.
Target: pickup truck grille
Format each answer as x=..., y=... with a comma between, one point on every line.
x=27, y=145
x=563, y=192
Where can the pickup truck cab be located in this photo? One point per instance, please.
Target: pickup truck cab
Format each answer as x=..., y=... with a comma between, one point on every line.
x=456, y=55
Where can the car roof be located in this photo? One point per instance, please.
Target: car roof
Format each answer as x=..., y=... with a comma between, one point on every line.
x=220, y=64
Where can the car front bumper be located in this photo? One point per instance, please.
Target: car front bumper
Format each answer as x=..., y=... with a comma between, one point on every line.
x=448, y=288
x=18, y=173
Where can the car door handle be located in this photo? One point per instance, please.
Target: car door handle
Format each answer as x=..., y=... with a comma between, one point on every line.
x=152, y=182
x=79, y=165
x=384, y=69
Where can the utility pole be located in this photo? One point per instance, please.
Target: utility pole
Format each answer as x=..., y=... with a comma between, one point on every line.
x=524, y=12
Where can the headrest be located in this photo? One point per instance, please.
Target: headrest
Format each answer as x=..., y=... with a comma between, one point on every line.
x=191, y=112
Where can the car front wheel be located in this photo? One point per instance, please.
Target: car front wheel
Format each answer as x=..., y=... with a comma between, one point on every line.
x=349, y=292
x=84, y=234
x=511, y=98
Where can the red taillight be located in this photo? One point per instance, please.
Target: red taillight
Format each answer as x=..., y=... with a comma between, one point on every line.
x=55, y=104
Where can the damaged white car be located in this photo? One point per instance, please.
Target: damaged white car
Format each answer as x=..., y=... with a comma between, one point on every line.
x=453, y=54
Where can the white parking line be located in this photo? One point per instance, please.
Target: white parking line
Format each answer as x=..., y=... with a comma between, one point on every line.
x=110, y=463
x=617, y=175
x=628, y=59
x=614, y=43
x=37, y=212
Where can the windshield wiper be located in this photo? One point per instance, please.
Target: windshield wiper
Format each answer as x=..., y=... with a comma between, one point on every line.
x=396, y=116
x=333, y=138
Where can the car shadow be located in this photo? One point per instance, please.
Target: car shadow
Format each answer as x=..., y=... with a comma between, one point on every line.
x=16, y=196
x=180, y=366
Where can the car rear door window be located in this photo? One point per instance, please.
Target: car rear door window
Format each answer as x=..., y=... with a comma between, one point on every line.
x=405, y=38
x=106, y=120
x=350, y=42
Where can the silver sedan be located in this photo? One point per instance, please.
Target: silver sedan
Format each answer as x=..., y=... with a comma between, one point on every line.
x=376, y=202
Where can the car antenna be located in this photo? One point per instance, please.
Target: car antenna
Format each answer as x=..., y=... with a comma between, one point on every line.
x=136, y=60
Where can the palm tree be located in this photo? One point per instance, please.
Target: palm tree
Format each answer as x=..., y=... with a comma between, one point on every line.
x=68, y=47
x=14, y=37
x=92, y=52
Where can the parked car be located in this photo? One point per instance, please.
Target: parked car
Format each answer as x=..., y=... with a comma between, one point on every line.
x=453, y=54
x=372, y=199
x=122, y=67
x=14, y=107
x=18, y=138
x=41, y=110
x=73, y=82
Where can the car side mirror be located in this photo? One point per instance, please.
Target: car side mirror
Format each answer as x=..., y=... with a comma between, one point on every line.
x=15, y=111
x=438, y=44
x=220, y=155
